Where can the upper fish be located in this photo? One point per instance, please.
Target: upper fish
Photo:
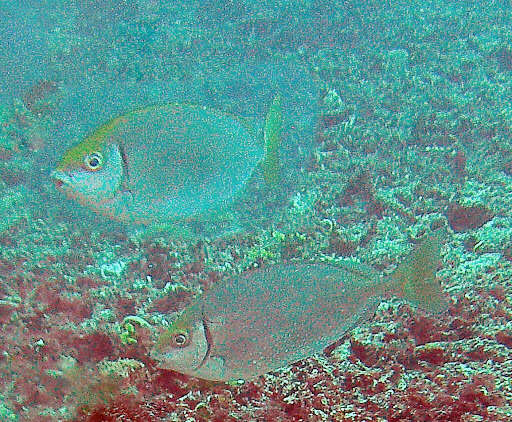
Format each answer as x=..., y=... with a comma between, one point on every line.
x=168, y=162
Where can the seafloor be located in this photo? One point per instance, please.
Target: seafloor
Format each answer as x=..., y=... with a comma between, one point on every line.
x=414, y=135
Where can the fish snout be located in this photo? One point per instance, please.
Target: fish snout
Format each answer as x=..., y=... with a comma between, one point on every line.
x=59, y=179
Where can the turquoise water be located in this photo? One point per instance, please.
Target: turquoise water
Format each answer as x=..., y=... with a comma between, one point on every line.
x=397, y=124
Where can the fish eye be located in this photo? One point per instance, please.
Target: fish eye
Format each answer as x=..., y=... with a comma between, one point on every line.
x=181, y=339
x=93, y=161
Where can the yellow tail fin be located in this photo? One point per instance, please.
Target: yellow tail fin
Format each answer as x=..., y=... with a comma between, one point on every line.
x=272, y=139
x=415, y=277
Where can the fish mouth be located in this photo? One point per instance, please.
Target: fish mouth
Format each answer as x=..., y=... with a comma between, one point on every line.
x=60, y=179
x=63, y=182
x=58, y=184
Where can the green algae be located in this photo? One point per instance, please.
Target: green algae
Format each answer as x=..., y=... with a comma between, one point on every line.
x=12, y=208
x=6, y=414
x=127, y=330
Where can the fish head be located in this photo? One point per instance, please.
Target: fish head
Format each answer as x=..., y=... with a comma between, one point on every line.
x=183, y=347
x=91, y=172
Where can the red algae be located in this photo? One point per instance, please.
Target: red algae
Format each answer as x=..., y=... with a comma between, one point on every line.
x=459, y=163
x=125, y=410
x=361, y=187
x=170, y=382
x=507, y=168
x=507, y=253
x=504, y=337
x=367, y=354
x=125, y=306
x=92, y=347
x=425, y=329
x=424, y=404
x=435, y=355
x=463, y=218
x=85, y=282
x=340, y=246
x=12, y=177
x=6, y=311
x=75, y=308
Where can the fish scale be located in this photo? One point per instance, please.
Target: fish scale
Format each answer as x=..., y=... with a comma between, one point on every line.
x=295, y=310
x=188, y=158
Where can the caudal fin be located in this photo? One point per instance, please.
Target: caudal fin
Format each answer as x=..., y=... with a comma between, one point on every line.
x=415, y=277
x=272, y=135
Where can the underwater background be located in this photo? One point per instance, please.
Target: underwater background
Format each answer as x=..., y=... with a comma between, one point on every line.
x=405, y=118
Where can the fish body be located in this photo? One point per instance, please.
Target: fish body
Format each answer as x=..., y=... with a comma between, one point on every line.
x=161, y=163
x=268, y=318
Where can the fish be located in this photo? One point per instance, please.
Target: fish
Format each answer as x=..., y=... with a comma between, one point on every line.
x=168, y=162
x=266, y=319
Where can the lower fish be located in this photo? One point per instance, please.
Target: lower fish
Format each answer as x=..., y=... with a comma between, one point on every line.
x=266, y=319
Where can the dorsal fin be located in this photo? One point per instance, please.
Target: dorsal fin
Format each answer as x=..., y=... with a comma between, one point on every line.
x=272, y=140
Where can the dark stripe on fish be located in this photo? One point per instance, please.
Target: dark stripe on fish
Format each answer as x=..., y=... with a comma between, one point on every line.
x=126, y=173
x=208, y=336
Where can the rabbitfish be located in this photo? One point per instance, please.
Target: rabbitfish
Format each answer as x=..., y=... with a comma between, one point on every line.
x=167, y=162
x=265, y=319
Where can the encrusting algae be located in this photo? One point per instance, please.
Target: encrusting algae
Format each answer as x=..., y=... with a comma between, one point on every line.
x=265, y=319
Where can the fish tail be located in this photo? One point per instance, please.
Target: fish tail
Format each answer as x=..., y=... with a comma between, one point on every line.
x=272, y=139
x=415, y=277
